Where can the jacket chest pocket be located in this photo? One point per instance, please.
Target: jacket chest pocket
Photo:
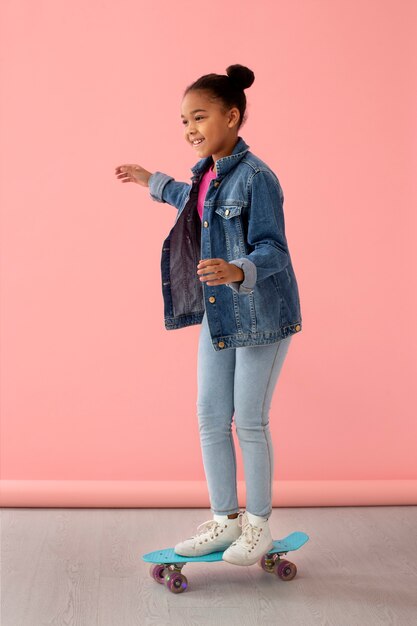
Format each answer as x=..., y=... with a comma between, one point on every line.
x=232, y=228
x=227, y=212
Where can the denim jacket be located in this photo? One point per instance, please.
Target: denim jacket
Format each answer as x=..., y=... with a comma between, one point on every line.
x=243, y=223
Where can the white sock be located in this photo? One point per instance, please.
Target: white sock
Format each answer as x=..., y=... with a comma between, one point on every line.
x=256, y=520
x=222, y=519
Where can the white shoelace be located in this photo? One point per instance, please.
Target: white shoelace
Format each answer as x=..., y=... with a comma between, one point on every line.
x=249, y=532
x=206, y=527
x=247, y=537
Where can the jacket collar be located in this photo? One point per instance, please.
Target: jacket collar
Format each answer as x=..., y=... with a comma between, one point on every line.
x=223, y=165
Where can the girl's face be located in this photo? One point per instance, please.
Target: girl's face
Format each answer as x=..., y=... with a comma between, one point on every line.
x=206, y=120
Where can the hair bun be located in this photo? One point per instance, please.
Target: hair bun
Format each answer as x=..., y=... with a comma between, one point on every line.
x=241, y=76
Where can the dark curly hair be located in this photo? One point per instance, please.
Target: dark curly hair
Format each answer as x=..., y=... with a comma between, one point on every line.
x=227, y=88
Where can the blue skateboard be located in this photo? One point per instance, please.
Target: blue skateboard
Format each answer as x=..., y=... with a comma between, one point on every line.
x=167, y=565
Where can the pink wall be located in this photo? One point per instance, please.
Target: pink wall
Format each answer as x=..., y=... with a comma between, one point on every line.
x=93, y=388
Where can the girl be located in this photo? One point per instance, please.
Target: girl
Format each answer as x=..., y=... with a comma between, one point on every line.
x=226, y=265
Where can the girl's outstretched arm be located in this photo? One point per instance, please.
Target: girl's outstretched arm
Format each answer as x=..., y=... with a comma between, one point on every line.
x=163, y=188
x=174, y=193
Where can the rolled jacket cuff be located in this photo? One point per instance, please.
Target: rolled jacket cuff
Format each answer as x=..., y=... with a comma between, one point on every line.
x=249, y=280
x=156, y=184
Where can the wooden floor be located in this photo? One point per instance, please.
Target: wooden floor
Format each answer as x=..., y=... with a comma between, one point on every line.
x=74, y=567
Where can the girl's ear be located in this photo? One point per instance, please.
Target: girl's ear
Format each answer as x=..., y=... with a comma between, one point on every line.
x=234, y=116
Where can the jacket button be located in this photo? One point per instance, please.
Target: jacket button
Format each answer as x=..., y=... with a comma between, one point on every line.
x=212, y=299
x=221, y=344
x=227, y=212
x=298, y=327
x=205, y=223
x=216, y=183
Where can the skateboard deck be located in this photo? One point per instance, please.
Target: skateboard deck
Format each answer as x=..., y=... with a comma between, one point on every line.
x=167, y=565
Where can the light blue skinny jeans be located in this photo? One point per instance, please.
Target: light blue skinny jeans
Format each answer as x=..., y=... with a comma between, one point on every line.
x=240, y=382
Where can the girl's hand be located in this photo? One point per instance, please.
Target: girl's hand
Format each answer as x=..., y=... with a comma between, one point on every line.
x=133, y=174
x=219, y=272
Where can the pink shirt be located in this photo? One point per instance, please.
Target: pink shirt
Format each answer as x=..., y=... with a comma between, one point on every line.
x=202, y=190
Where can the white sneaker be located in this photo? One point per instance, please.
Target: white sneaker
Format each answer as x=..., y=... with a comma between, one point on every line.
x=212, y=536
x=255, y=540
